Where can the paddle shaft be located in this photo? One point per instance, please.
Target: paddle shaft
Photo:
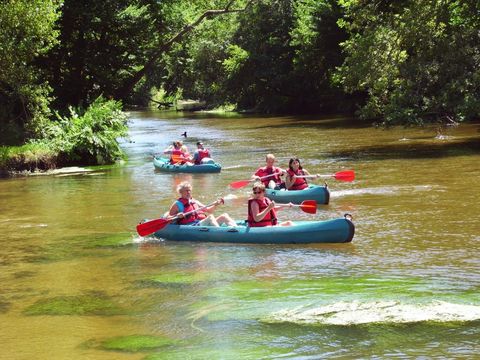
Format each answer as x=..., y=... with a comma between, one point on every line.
x=193, y=211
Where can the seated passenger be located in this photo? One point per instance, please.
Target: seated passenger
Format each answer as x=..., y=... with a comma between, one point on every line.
x=201, y=155
x=185, y=203
x=273, y=181
x=292, y=182
x=261, y=210
x=178, y=153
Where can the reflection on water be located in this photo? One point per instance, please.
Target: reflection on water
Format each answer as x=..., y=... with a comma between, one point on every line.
x=76, y=281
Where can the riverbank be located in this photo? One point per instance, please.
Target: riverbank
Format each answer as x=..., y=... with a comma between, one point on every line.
x=87, y=137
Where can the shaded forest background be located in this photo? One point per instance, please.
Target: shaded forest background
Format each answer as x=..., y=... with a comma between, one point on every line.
x=402, y=62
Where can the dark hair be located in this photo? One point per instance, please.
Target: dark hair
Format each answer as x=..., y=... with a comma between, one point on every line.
x=291, y=162
x=199, y=143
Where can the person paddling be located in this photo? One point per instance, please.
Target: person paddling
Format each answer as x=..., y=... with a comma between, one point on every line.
x=261, y=210
x=186, y=203
x=293, y=181
x=178, y=153
x=262, y=174
x=200, y=154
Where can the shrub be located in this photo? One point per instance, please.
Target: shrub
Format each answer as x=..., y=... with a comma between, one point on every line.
x=91, y=136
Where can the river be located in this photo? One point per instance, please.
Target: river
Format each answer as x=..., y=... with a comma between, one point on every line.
x=76, y=282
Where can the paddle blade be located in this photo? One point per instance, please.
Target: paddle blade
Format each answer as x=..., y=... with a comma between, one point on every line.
x=239, y=184
x=150, y=227
x=347, y=175
x=309, y=206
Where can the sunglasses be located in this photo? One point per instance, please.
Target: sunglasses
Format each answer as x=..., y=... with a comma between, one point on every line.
x=257, y=192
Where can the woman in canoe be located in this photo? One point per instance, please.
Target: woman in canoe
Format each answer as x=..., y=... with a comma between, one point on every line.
x=261, y=210
x=269, y=175
x=186, y=203
x=179, y=154
x=294, y=179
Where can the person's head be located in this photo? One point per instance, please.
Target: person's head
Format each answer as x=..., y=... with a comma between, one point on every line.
x=294, y=164
x=199, y=145
x=177, y=144
x=270, y=160
x=258, y=190
x=185, y=189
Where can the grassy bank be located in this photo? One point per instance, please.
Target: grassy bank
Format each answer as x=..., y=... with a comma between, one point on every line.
x=86, y=137
x=29, y=157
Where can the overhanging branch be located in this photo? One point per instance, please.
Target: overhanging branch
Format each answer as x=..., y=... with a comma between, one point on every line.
x=136, y=77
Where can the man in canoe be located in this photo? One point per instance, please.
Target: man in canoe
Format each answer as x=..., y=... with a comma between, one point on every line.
x=261, y=210
x=201, y=155
x=295, y=179
x=269, y=175
x=186, y=203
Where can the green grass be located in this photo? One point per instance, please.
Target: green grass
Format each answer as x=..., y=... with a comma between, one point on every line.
x=29, y=157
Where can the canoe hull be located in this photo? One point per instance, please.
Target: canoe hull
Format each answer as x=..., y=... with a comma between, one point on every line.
x=163, y=164
x=303, y=232
x=320, y=194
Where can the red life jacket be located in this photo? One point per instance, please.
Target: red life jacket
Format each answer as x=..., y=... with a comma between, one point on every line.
x=202, y=153
x=300, y=183
x=270, y=218
x=264, y=171
x=189, y=205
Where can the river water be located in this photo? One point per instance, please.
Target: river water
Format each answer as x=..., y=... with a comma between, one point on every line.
x=76, y=282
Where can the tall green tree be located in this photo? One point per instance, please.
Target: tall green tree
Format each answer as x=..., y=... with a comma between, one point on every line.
x=417, y=61
x=26, y=32
x=101, y=44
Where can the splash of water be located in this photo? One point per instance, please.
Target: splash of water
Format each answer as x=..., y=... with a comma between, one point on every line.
x=387, y=312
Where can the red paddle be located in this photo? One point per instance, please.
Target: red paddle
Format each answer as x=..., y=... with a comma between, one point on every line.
x=149, y=227
x=242, y=183
x=346, y=175
x=308, y=206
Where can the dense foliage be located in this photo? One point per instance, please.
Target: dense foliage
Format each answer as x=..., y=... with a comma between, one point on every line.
x=400, y=62
x=89, y=136
x=26, y=31
x=417, y=60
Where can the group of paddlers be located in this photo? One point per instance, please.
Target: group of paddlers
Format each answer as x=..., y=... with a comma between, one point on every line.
x=179, y=154
x=261, y=210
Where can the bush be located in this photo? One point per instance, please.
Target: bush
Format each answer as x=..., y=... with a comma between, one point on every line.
x=90, y=137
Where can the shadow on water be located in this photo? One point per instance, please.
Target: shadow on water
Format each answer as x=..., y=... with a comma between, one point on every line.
x=412, y=149
x=330, y=122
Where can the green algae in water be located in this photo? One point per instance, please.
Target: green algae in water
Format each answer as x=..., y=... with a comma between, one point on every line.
x=4, y=307
x=132, y=343
x=90, y=304
x=180, y=279
x=108, y=241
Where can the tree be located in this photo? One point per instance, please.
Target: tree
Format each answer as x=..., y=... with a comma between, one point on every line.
x=26, y=32
x=418, y=61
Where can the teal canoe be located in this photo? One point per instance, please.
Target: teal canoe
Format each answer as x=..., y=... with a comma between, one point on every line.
x=319, y=193
x=163, y=164
x=302, y=232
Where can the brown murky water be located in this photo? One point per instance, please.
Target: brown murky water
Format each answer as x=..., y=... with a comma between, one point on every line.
x=77, y=283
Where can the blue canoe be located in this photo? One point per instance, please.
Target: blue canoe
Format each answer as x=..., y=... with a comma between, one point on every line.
x=319, y=193
x=163, y=164
x=303, y=232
